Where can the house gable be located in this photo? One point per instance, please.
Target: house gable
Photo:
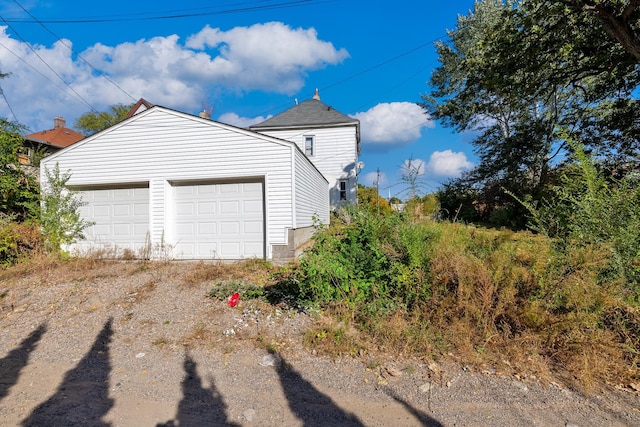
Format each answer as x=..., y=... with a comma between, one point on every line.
x=49, y=141
x=139, y=107
x=330, y=139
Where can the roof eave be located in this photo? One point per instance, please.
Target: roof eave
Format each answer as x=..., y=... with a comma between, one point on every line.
x=304, y=126
x=43, y=142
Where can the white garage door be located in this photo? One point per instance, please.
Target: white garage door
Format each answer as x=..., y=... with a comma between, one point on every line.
x=121, y=216
x=219, y=221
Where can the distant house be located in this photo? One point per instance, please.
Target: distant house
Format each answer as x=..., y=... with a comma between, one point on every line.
x=139, y=107
x=201, y=189
x=47, y=142
x=330, y=139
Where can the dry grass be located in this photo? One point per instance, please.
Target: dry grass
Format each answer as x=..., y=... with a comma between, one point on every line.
x=253, y=271
x=496, y=299
x=335, y=338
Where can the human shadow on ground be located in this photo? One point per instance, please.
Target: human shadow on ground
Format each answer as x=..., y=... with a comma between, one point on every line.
x=199, y=406
x=83, y=396
x=12, y=363
x=425, y=419
x=311, y=406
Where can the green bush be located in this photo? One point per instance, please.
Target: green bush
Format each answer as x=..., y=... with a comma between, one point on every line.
x=413, y=245
x=347, y=262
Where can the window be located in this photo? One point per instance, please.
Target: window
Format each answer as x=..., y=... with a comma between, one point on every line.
x=343, y=190
x=308, y=145
x=25, y=156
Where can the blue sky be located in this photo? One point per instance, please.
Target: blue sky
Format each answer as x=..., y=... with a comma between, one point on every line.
x=245, y=60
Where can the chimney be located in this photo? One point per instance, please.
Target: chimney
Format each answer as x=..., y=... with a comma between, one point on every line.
x=59, y=122
x=317, y=95
x=205, y=114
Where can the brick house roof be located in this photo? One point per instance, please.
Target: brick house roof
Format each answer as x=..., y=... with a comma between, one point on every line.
x=60, y=136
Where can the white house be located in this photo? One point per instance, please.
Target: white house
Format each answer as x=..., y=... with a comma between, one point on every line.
x=206, y=190
x=330, y=139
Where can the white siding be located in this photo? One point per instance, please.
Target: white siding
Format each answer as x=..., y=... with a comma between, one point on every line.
x=311, y=194
x=160, y=146
x=159, y=197
x=335, y=155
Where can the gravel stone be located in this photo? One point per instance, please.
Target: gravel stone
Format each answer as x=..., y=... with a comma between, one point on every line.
x=71, y=346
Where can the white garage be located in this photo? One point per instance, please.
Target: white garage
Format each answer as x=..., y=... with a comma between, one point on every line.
x=219, y=220
x=120, y=216
x=178, y=186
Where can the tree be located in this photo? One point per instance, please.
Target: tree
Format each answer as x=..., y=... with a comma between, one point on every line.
x=61, y=220
x=516, y=130
x=525, y=76
x=93, y=121
x=564, y=44
x=19, y=192
x=618, y=18
x=427, y=206
x=370, y=200
x=458, y=201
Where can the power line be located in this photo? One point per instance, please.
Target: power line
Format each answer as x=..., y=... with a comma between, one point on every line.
x=48, y=66
x=288, y=4
x=378, y=65
x=232, y=10
x=367, y=70
x=76, y=53
x=36, y=70
x=8, y=105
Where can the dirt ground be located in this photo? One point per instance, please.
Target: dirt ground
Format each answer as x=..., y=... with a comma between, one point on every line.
x=126, y=344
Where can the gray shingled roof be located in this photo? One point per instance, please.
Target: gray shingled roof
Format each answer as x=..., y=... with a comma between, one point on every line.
x=308, y=113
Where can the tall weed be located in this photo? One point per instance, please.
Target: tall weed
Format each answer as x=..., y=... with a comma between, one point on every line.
x=588, y=210
x=489, y=296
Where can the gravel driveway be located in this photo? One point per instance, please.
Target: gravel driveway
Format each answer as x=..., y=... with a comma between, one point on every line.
x=130, y=344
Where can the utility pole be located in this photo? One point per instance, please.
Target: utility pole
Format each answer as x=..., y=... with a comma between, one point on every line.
x=378, y=190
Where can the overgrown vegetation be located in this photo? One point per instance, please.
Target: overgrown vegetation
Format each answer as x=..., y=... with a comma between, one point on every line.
x=18, y=240
x=561, y=303
x=564, y=301
x=32, y=220
x=19, y=192
x=586, y=210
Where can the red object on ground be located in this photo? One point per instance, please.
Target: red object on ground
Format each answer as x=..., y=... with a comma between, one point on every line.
x=233, y=299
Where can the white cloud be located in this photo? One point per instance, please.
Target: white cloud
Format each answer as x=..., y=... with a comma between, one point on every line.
x=393, y=123
x=265, y=56
x=447, y=164
x=242, y=122
x=369, y=179
x=272, y=57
